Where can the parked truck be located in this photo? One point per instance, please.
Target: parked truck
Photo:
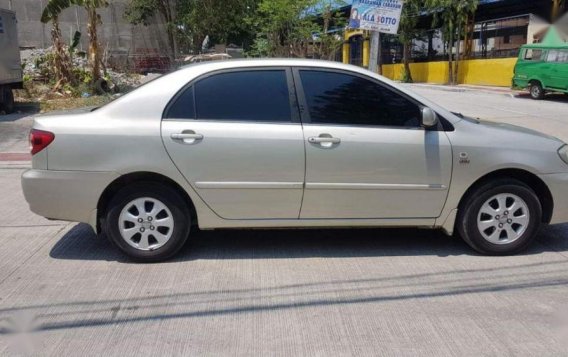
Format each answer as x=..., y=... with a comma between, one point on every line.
x=10, y=64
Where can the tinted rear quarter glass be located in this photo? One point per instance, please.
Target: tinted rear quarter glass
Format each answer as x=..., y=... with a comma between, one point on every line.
x=260, y=96
x=183, y=106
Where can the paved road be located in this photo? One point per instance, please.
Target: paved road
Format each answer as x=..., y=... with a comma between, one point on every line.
x=295, y=292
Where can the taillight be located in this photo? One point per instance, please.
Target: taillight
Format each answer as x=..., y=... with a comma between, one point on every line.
x=39, y=140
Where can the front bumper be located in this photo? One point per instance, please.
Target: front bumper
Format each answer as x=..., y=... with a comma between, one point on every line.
x=65, y=195
x=558, y=186
x=520, y=83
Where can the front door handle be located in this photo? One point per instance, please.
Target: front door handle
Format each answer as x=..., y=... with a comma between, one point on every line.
x=187, y=136
x=323, y=139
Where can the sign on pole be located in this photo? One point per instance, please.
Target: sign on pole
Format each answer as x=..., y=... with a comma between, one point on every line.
x=376, y=15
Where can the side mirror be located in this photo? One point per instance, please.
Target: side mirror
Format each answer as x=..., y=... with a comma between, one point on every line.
x=429, y=118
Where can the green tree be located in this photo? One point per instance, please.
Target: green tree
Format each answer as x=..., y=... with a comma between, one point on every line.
x=61, y=60
x=140, y=12
x=464, y=9
x=407, y=32
x=328, y=39
x=220, y=20
x=452, y=15
x=54, y=8
x=291, y=28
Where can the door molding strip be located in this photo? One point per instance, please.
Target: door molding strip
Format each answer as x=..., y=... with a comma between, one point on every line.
x=373, y=186
x=249, y=185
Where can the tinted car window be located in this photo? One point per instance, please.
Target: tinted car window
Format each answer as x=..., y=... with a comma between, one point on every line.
x=337, y=98
x=248, y=95
x=183, y=106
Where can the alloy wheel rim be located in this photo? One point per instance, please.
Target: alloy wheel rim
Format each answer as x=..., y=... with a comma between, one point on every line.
x=146, y=223
x=535, y=91
x=503, y=218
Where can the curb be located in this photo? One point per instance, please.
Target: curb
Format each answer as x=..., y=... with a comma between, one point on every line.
x=458, y=89
x=15, y=160
x=15, y=165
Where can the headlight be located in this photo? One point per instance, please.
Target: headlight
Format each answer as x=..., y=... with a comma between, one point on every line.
x=563, y=152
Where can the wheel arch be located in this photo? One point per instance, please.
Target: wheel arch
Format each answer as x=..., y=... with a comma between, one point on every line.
x=135, y=177
x=528, y=178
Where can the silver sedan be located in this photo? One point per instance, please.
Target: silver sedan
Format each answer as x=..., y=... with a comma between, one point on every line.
x=290, y=143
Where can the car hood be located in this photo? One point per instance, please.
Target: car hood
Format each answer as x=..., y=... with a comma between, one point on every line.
x=517, y=129
x=508, y=128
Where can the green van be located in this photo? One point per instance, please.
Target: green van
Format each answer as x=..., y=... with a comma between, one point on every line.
x=542, y=68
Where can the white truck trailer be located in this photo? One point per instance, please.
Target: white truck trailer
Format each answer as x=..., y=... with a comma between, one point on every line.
x=10, y=64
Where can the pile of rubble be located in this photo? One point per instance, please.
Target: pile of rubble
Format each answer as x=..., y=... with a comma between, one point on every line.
x=37, y=67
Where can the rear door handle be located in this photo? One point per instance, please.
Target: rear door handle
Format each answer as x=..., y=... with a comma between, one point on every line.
x=187, y=137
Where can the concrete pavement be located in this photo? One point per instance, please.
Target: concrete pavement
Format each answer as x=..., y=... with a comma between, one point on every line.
x=285, y=292
x=549, y=116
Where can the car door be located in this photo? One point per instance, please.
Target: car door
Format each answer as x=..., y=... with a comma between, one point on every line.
x=558, y=61
x=236, y=137
x=366, y=154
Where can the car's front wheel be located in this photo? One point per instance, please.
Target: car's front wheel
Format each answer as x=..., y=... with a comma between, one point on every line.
x=536, y=90
x=149, y=222
x=500, y=217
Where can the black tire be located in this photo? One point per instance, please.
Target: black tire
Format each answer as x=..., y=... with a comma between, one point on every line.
x=536, y=91
x=174, y=203
x=468, y=217
x=7, y=100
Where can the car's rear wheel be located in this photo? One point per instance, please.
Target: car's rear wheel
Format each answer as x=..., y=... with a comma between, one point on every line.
x=149, y=222
x=500, y=217
x=536, y=90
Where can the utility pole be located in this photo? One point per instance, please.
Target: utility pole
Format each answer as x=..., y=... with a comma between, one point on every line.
x=374, y=60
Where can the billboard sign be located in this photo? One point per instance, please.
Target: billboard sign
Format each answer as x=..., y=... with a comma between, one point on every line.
x=376, y=15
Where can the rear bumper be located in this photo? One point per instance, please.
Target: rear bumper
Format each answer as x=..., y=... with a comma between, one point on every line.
x=558, y=186
x=65, y=195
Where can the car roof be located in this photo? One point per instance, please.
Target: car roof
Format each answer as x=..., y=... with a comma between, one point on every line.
x=545, y=46
x=274, y=62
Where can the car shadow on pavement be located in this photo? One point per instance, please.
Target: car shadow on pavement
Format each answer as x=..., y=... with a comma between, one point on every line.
x=552, y=97
x=80, y=243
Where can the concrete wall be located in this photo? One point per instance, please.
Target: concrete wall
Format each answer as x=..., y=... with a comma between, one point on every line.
x=116, y=34
x=489, y=72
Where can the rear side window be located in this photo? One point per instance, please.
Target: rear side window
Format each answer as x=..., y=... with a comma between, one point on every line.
x=337, y=98
x=533, y=55
x=260, y=96
x=557, y=56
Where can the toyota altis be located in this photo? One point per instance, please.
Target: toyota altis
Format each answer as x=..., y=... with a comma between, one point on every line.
x=290, y=143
